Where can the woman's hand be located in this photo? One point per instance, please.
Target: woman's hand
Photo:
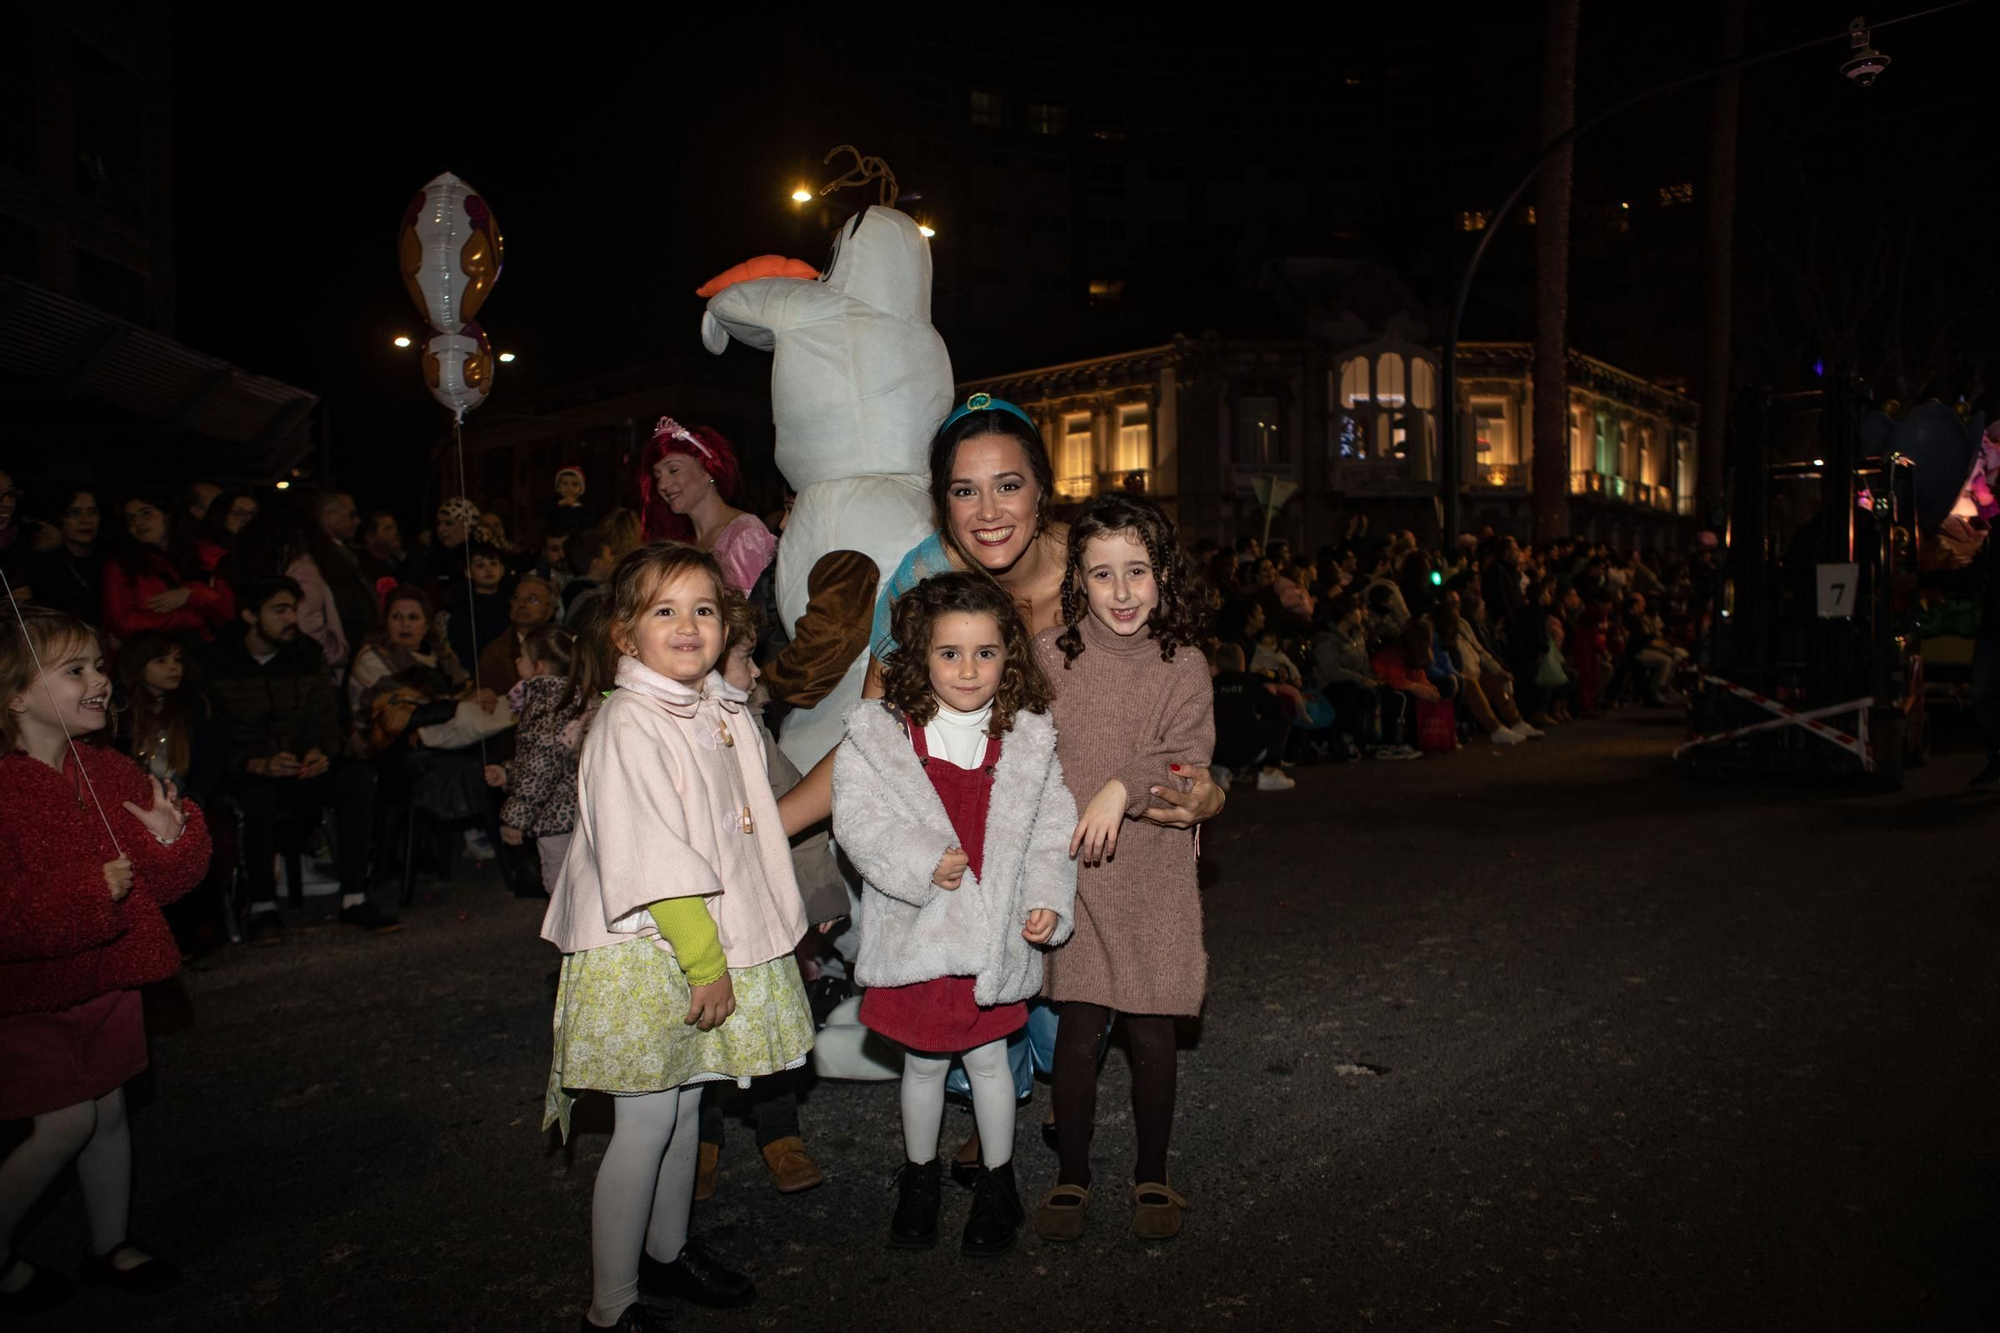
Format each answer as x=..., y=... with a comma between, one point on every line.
x=486, y=699
x=950, y=872
x=173, y=599
x=510, y=835
x=1201, y=802
x=1040, y=926
x=118, y=878
x=711, y=1004
x=496, y=776
x=1096, y=836
x=164, y=819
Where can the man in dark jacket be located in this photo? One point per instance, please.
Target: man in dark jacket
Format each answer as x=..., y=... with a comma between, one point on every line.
x=275, y=712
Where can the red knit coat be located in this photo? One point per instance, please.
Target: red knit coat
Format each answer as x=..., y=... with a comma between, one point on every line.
x=62, y=940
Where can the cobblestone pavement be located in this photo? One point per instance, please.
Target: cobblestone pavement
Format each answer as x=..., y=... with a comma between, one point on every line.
x=1544, y=1038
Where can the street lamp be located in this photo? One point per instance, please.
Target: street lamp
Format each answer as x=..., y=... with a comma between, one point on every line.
x=402, y=340
x=1862, y=67
x=925, y=230
x=506, y=356
x=802, y=195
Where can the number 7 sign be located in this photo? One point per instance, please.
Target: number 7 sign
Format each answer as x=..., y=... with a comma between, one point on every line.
x=1837, y=590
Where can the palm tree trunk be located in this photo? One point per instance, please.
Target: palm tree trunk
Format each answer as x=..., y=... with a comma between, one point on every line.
x=1551, y=459
x=1715, y=385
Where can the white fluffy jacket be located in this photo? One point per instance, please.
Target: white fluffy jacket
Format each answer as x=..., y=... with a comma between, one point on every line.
x=888, y=819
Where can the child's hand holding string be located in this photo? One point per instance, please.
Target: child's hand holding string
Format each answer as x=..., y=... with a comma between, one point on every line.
x=950, y=872
x=1040, y=927
x=711, y=1004
x=118, y=878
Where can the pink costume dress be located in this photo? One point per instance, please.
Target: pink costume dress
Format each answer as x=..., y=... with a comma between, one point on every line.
x=744, y=549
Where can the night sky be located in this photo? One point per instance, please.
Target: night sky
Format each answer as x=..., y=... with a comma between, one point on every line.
x=630, y=161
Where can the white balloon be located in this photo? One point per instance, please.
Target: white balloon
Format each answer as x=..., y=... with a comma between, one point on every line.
x=450, y=252
x=459, y=367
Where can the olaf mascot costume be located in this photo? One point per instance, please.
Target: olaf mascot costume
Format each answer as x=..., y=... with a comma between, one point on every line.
x=859, y=382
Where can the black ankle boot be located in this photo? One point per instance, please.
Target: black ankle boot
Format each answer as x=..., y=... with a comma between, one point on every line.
x=696, y=1276
x=914, y=1227
x=996, y=1213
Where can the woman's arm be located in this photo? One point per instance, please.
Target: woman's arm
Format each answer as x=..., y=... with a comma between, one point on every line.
x=1187, y=735
x=811, y=801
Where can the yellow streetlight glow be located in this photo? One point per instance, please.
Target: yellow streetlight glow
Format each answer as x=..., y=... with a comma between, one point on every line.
x=506, y=356
x=402, y=340
x=284, y=485
x=925, y=230
x=802, y=195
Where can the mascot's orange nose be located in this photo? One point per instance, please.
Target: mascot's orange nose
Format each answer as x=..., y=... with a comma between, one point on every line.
x=763, y=266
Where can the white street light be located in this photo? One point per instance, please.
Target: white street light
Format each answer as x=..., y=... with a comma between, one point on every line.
x=506, y=356
x=802, y=195
x=402, y=340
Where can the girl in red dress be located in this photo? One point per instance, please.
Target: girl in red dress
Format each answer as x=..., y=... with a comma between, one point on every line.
x=948, y=798
x=91, y=847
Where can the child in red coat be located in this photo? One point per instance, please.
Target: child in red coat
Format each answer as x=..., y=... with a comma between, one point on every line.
x=80, y=932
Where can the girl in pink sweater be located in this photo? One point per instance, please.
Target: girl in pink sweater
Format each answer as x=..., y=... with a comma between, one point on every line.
x=676, y=912
x=1132, y=697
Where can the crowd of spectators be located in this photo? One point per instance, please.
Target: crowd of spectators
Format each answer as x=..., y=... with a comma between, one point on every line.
x=1383, y=649
x=316, y=667
x=298, y=664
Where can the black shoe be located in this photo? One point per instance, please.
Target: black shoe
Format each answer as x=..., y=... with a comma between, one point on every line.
x=370, y=918
x=1990, y=774
x=264, y=928
x=823, y=996
x=638, y=1318
x=149, y=1277
x=46, y=1289
x=918, y=1185
x=696, y=1276
x=996, y=1213
x=1049, y=1136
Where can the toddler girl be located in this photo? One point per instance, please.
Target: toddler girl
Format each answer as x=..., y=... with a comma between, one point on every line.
x=675, y=909
x=91, y=847
x=541, y=777
x=948, y=798
x=1131, y=696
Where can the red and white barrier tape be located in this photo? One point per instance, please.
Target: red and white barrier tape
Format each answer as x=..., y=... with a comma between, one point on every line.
x=1791, y=717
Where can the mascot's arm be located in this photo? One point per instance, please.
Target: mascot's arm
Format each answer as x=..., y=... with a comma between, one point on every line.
x=757, y=311
x=840, y=594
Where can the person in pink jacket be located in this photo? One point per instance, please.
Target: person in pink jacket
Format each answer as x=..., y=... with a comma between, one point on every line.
x=676, y=911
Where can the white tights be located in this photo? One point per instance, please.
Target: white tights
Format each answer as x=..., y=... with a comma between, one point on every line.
x=645, y=1187
x=98, y=1138
x=992, y=1102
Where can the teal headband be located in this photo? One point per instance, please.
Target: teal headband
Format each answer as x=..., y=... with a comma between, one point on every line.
x=986, y=402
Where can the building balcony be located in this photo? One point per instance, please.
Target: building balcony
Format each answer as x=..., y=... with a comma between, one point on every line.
x=1499, y=477
x=1381, y=476
x=1624, y=490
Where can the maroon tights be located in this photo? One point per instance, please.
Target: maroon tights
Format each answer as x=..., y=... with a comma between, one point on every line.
x=1154, y=1062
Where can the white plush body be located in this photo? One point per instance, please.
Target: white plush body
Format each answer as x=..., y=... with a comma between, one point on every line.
x=859, y=382
x=889, y=820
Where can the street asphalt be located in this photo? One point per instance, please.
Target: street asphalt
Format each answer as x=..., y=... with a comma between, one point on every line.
x=1544, y=1038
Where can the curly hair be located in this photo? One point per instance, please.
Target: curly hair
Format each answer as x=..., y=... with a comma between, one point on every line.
x=638, y=578
x=706, y=446
x=906, y=672
x=1176, y=620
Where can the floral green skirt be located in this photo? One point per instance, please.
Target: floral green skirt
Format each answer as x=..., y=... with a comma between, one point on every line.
x=619, y=1025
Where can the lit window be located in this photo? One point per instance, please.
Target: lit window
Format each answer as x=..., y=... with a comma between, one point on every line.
x=1529, y=217
x=1135, y=440
x=1075, y=477
x=1472, y=221
x=1389, y=386
x=1048, y=118
x=989, y=110
x=1103, y=291
x=1353, y=381
x=1672, y=196
x=1422, y=380
x=1496, y=441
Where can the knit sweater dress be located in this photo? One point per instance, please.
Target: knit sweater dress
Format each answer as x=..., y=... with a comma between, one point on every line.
x=1123, y=713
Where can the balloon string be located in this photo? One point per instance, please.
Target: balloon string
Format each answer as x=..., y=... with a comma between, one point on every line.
x=471, y=593
x=56, y=709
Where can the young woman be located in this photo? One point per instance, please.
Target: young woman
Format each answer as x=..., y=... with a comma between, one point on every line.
x=690, y=474
x=70, y=577
x=157, y=577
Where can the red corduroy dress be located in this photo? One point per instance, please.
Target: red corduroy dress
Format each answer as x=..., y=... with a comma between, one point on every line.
x=941, y=1015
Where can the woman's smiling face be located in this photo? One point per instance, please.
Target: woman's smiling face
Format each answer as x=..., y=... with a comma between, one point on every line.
x=993, y=501
x=682, y=481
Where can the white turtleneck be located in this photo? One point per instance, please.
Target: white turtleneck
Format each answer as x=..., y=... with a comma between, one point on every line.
x=959, y=737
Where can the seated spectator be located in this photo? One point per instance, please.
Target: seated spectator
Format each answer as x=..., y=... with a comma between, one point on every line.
x=1271, y=660
x=1648, y=659
x=1342, y=672
x=196, y=497
x=553, y=564
x=1413, y=582
x=590, y=562
x=621, y=528
x=478, y=616
x=566, y=512
x=1291, y=583
x=380, y=553
x=421, y=718
x=164, y=725
x=229, y=512
x=532, y=606
x=1251, y=726
x=280, y=726
x=286, y=540
x=1404, y=665
x=157, y=577
x=69, y=575
x=1528, y=659
x=1494, y=715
